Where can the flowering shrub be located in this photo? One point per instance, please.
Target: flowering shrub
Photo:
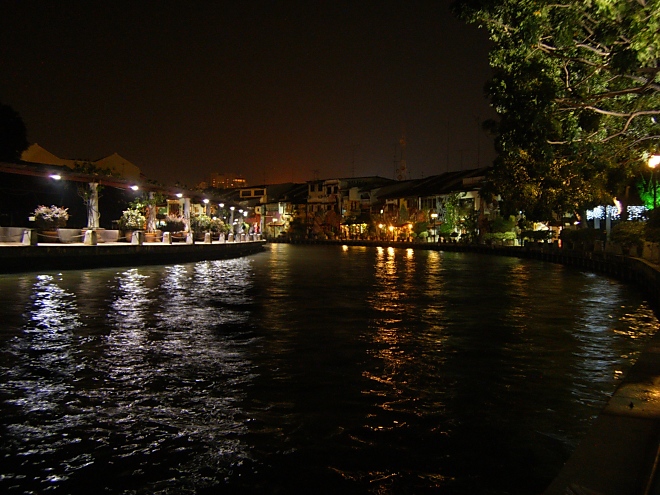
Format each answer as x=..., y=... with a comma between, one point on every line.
x=132, y=219
x=200, y=223
x=217, y=226
x=50, y=217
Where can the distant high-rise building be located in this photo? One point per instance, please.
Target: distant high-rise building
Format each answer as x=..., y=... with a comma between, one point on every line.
x=226, y=181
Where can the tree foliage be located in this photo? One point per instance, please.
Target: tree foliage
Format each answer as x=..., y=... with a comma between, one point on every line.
x=13, y=136
x=577, y=91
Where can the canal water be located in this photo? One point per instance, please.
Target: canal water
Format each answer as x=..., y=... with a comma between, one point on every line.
x=308, y=369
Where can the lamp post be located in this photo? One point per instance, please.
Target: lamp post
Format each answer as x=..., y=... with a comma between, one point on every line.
x=654, y=161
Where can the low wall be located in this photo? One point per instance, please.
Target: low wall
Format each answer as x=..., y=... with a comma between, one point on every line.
x=21, y=258
x=11, y=234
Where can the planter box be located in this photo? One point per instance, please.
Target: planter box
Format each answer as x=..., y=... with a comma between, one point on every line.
x=153, y=236
x=49, y=236
x=67, y=236
x=12, y=234
x=109, y=236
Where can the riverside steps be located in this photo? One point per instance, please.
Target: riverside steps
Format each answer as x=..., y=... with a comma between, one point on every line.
x=17, y=257
x=620, y=454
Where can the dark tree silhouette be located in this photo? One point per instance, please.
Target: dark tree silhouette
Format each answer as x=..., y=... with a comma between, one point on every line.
x=13, y=135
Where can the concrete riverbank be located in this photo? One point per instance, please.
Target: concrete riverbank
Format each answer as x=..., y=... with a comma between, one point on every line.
x=15, y=257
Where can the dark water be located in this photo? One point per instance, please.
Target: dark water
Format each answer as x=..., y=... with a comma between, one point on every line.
x=308, y=370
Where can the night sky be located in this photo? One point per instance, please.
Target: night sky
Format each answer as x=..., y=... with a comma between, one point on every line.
x=275, y=91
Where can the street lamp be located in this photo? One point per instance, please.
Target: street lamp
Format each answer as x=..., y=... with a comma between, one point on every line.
x=654, y=161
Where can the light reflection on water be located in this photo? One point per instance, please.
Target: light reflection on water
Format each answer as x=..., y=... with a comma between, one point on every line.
x=313, y=369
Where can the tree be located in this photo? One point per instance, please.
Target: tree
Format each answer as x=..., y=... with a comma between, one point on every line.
x=577, y=92
x=13, y=136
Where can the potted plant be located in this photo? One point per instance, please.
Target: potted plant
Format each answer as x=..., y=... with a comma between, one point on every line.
x=175, y=225
x=200, y=224
x=131, y=219
x=50, y=218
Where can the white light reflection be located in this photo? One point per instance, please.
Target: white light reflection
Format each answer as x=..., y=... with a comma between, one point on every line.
x=39, y=381
x=177, y=359
x=597, y=331
x=53, y=317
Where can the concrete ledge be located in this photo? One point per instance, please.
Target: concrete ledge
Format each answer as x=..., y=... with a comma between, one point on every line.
x=22, y=258
x=615, y=458
x=11, y=234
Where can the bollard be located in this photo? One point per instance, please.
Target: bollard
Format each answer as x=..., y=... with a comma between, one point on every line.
x=207, y=238
x=230, y=238
x=91, y=238
x=29, y=237
x=167, y=237
x=222, y=237
x=137, y=238
x=190, y=239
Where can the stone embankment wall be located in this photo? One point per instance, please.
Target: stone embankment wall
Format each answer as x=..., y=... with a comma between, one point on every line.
x=22, y=258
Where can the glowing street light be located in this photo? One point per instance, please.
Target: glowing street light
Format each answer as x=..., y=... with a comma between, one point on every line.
x=55, y=176
x=135, y=188
x=205, y=201
x=179, y=195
